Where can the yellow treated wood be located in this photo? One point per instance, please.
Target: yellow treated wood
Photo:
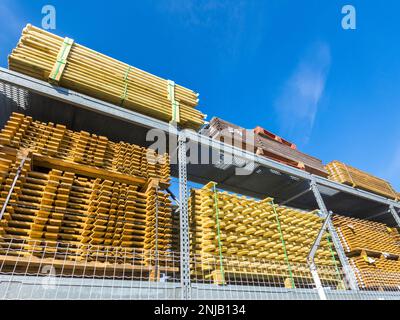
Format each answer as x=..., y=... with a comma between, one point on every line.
x=105, y=78
x=349, y=175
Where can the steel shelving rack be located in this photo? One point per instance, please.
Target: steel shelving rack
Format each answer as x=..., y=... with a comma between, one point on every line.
x=289, y=186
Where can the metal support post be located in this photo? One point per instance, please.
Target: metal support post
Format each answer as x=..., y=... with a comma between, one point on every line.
x=311, y=256
x=184, y=219
x=156, y=244
x=348, y=271
x=395, y=215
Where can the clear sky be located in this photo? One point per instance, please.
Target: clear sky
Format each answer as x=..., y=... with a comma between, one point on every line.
x=285, y=65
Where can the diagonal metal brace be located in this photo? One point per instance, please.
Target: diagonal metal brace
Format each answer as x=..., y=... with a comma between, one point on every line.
x=311, y=257
x=295, y=197
x=173, y=196
x=17, y=175
x=348, y=271
x=395, y=215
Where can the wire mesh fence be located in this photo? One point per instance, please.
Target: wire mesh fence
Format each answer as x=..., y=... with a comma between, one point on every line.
x=39, y=270
x=252, y=279
x=49, y=270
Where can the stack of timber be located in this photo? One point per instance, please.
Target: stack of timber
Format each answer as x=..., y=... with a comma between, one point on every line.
x=48, y=57
x=348, y=175
x=57, y=142
x=263, y=143
x=94, y=219
x=268, y=134
x=238, y=237
x=373, y=250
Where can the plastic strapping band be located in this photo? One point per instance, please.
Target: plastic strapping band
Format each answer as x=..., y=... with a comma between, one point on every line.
x=283, y=244
x=221, y=264
x=391, y=189
x=58, y=68
x=175, y=104
x=125, y=92
x=334, y=259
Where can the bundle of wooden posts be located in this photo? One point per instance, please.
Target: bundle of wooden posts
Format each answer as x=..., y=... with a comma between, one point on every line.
x=264, y=143
x=84, y=209
x=57, y=142
x=237, y=237
x=48, y=57
x=373, y=250
x=356, y=178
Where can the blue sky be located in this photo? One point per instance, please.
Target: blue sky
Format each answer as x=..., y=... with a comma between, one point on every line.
x=285, y=65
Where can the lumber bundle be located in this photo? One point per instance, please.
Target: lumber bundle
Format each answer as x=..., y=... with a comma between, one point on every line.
x=52, y=212
x=358, y=235
x=373, y=250
x=356, y=178
x=376, y=273
x=83, y=199
x=48, y=57
x=56, y=141
x=268, y=134
x=248, y=234
x=263, y=143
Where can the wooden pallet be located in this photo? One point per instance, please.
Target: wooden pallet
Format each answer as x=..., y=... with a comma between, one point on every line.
x=268, y=134
x=265, y=146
